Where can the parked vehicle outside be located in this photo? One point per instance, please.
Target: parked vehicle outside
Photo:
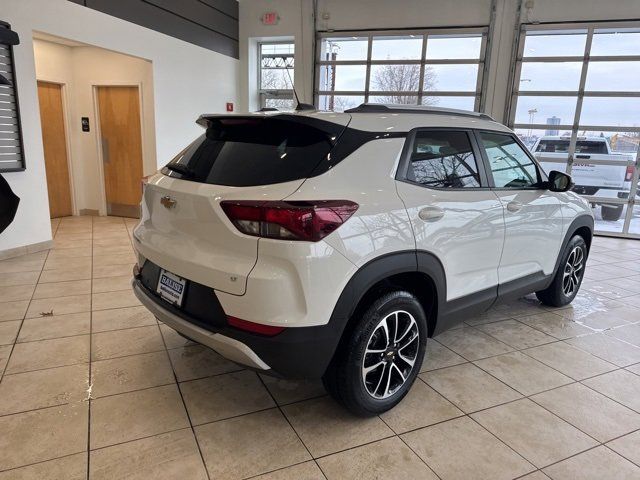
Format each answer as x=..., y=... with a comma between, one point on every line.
x=596, y=170
x=331, y=245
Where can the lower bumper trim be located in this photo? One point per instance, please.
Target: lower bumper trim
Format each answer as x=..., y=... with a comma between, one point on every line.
x=229, y=348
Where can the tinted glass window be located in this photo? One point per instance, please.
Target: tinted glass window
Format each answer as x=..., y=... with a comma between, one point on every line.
x=443, y=159
x=254, y=151
x=562, y=146
x=510, y=165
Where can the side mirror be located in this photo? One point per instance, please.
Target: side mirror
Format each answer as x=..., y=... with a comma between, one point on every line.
x=559, y=182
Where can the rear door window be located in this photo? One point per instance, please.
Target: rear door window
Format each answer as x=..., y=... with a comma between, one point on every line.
x=246, y=151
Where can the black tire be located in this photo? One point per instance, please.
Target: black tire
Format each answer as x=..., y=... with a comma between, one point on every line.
x=558, y=294
x=611, y=213
x=344, y=378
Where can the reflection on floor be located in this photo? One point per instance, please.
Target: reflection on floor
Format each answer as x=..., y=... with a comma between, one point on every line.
x=522, y=390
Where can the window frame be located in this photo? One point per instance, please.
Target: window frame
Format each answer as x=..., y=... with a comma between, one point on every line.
x=542, y=176
x=573, y=125
x=482, y=62
x=278, y=93
x=20, y=161
x=407, y=150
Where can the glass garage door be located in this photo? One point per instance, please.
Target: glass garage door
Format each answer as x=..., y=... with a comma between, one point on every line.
x=576, y=104
x=442, y=68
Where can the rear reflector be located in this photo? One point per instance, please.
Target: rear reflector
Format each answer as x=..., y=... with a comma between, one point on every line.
x=267, y=330
x=309, y=220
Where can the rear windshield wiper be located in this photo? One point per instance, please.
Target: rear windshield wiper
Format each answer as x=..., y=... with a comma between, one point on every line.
x=181, y=169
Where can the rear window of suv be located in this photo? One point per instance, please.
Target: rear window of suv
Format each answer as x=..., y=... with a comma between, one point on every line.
x=246, y=151
x=562, y=146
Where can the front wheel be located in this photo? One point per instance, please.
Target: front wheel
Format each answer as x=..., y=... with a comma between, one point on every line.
x=377, y=364
x=568, y=278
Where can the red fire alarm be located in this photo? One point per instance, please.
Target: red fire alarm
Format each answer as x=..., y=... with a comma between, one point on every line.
x=270, y=18
x=229, y=106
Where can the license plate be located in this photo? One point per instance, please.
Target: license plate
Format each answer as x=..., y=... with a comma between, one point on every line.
x=171, y=287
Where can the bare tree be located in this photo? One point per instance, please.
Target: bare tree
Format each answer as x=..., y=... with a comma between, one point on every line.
x=276, y=79
x=403, y=78
x=341, y=104
x=446, y=171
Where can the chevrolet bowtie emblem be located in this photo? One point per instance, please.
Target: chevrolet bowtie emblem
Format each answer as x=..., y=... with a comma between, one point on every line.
x=168, y=202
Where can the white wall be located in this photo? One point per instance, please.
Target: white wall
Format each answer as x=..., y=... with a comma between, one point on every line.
x=296, y=22
x=188, y=80
x=80, y=69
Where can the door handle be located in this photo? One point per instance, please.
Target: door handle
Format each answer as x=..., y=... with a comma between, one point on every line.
x=514, y=206
x=431, y=214
x=105, y=151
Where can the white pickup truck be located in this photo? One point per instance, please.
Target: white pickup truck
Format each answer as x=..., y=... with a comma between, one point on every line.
x=596, y=171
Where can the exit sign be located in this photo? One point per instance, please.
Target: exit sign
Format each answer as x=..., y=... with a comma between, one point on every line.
x=270, y=18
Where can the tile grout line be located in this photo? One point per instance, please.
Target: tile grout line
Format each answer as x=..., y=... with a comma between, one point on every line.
x=39, y=462
x=564, y=341
x=284, y=468
x=606, y=444
x=90, y=379
x=399, y=435
x=543, y=391
x=503, y=442
x=264, y=385
x=13, y=345
x=184, y=405
x=557, y=387
x=607, y=396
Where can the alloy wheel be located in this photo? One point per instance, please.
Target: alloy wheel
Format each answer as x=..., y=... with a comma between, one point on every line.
x=573, y=271
x=390, y=354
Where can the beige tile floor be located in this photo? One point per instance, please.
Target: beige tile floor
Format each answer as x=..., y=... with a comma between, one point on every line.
x=93, y=387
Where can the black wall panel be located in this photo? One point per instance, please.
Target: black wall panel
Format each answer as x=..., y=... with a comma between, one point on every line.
x=212, y=24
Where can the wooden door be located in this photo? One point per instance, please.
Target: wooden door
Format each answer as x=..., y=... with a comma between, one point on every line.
x=54, y=141
x=120, y=131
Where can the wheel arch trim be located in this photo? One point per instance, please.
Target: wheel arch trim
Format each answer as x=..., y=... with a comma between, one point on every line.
x=380, y=269
x=386, y=266
x=578, y=223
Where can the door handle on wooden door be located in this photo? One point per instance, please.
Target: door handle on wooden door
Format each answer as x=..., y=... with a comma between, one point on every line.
x=105, y=151
x=431, y=214
x=514, y=206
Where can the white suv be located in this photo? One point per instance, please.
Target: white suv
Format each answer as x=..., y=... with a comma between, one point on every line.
x=333, y=244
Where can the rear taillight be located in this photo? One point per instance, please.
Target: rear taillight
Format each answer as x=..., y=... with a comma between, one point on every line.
x=259, y=328
x=629, y=176
x=309, y=220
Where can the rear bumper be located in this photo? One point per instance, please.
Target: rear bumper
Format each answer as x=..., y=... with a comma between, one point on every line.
x=297, y=352
x=227, y=347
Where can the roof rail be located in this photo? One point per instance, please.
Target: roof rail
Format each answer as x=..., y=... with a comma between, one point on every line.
x=393, y=108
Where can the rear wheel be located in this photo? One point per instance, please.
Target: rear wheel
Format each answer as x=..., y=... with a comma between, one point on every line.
x=568, y=278
x=611, y=213
x=378, y=363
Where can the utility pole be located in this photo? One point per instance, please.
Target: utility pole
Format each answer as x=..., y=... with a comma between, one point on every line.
x=531, y=112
